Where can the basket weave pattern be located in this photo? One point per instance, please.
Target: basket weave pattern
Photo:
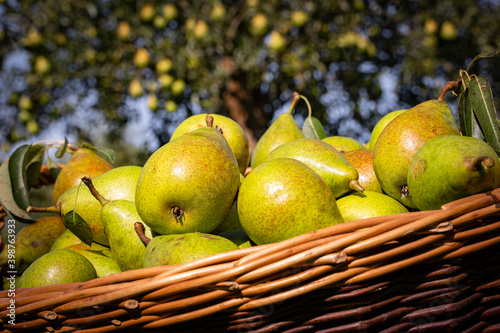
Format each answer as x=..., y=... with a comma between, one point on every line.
x=419, y=271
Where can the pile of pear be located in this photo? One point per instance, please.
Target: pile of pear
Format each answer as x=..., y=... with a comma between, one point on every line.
x=204, y=193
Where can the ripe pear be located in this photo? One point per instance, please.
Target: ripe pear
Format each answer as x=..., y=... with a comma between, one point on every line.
x=117, y=183
x=189, y=184
x=282, y=198
x=343, y=143
x=100, y=256
x=402, y=137
x=357, y=206
x=282, y=129
x=380, y=125
x=183, y=248
x=340, y=176
x=67, y=238
x=362, y=160
x=450, y=167
x=33, y=241
x=83, y=162
x=118, y=218
x=57, y=267
x=230, y=129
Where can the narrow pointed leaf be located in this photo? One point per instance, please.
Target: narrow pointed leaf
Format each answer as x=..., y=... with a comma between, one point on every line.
x=53, y=168
x=467, y=120
x=7, y=196
x=33, y=161
x=483, y=105
x=106, y=153
x=312, y=128
x=484, y=54
x=77, y=225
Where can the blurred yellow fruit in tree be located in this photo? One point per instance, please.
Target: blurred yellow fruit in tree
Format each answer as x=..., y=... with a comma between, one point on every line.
x=218, y=12
x=152, y=102
x=164, y=65
x=177, y=87
x=170, y=106
x=147, y=12
x=299, y=18
x=276, y=41
x=258, y=24
x=141, y=58
x=170, y=12
x=200, y=29
x=165, y=80
x=135, y=89
x=448, y=31
x=431, y=26
x=42, y=65
x=32, y=126
x=25, y=103
x=123, y=30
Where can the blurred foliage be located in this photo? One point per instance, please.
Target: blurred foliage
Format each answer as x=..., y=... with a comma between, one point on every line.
x=239, y=58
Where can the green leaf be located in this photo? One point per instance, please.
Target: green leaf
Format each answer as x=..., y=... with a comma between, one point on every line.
x=62, y=150
x=24, y=168
x=312, y=128
x=469, y=126
x=77, y=225
x=484, y=54
x=482, y=103
x=53, y=168
x=7, y=196
x=106, y=153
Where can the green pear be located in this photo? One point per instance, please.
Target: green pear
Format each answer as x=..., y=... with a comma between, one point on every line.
x=450, y=167
x=83, y=162
x=100, y=256
x=380, y=125
x=340, y=176
x=57, y=267
x=33, y=241
x=401, y=139
x=343, y=143
x=67, y=238
x=117, y=183
x=283, y=198
x=189, y=184
x=183, y=248
x=362, y=160
x=283, y=129
x=358, y=206
x=118, y=218
x=230, y=129
x=238, y=237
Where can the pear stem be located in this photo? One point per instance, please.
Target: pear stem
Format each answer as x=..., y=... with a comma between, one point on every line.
x=51, y=209
x=480, y=162
x=308, y=105
x=87, y=181
x=177, y=212
x=296, y=99
x=356, y=186
x=450, y=85
x=210, y=121
x=139, y=229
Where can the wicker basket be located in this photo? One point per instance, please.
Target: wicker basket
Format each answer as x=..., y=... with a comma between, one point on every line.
x=413, y=272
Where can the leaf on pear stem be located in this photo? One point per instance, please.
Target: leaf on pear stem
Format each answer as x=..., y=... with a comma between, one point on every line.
x=482, y=55
x=107, y=153
x=53, y=168
x=62, y=150
x=312, y=128
x=77, y=225
x=23, y=170
x=483, y=106
x=467, y=120
x=7, y=196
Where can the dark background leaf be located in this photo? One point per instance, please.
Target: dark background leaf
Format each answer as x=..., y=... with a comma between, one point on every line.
x=17, y=176
x=77, y=225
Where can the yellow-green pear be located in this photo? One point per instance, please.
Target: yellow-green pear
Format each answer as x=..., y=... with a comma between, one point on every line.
x=362, y=160
x=32, y=241
x=57, y=267
x=283, y=129
x=340, y=176
x=451, y=167
x=380, y=125
x=99, y=256
x=230, y=129
x=189, y=184
x=358, y=206
x=401, y=139
x=67, y=238
x=343, y=143
x=283, y=198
